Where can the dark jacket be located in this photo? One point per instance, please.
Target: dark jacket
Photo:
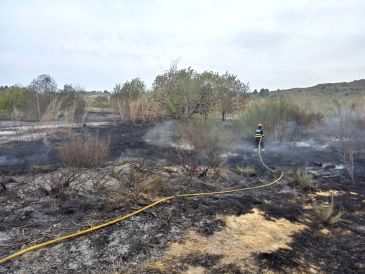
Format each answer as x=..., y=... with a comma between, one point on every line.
x=259, y=133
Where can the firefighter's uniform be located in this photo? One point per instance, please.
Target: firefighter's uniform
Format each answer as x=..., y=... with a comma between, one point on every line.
x=259, y=135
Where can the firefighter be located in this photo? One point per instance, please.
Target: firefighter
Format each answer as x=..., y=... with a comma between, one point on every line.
x=259, y=136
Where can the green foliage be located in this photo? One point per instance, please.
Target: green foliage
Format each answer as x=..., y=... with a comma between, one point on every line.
x=170, y=106
x=230, y=91
x=185, y=92
x=282, y=116
x=131, y=89
x=11, y=99
x=179, y=93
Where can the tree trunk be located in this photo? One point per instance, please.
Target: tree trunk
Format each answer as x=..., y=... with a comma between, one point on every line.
x=39, y=110
x=223, y=115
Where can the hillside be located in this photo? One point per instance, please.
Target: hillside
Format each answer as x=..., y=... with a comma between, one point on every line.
x=356, y=87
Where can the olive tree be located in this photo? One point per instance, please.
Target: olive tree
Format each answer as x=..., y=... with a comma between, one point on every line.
x=185, y=92
x=179, y=91
x=230, y=91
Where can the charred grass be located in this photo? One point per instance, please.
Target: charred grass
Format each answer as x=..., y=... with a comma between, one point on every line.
x=131, y=245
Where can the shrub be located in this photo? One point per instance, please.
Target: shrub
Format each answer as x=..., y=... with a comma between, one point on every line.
x=326, y=214
x=83, y=151
x=304, y=179
x=200, y=146
x=281, y=116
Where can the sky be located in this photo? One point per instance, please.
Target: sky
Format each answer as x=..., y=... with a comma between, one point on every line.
x=97, y=44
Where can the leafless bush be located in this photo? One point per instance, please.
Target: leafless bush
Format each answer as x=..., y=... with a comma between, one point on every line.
x=345, y=128
x=326, y=213
x=83, y=151
x=60, y=180
x=346, y=152
x=200, y=147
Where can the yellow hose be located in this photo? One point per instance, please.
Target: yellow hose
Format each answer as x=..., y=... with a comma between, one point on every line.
x=79, y=233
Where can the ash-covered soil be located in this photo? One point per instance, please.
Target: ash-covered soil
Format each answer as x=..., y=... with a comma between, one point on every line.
x=272, y=230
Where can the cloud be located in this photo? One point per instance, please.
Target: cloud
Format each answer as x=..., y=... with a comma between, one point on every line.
x=272, y=44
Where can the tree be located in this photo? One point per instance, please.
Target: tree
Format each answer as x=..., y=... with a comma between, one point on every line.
x=230, y=92
x=117, y=88
x=178, y=90
x=208, y=91
x=43, y=84
x=264, y=92
x=131, y=89
x=68, y=88
x=186, y=92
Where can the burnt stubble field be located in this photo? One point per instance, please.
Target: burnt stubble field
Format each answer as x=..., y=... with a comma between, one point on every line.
x=275, y=229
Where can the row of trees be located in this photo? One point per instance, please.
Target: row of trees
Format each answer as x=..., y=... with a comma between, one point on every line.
x=178, y=93
x=39, y=98
x=182, y=93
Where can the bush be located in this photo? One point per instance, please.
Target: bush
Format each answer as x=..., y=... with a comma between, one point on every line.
x=84, y=151
x=281, y=116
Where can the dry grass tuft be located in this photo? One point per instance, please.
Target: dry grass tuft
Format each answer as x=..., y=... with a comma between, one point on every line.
x=246, y=171
x=153, y=185
x=142, y=108
x=304, y=179
x=83, y=151
x=326, y=214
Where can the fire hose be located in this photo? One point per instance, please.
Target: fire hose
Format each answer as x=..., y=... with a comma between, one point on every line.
x=119, y=219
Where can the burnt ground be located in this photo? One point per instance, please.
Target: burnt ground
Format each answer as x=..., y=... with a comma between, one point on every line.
x=126, y=141
x=33, y=210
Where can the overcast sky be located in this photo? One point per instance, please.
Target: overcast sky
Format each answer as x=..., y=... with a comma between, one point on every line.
x=96, y=44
